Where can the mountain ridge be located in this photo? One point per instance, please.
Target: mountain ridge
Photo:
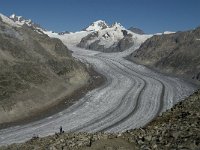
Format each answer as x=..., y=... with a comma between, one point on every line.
x=136, y=30
x=97, y=36
x=36, y=71
x=177, y=53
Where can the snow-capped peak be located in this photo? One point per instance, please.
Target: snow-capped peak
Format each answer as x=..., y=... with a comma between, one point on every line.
x=13, y=16
x=117, y=25
x=97, y=25
x=7, y=20
x=21, y=21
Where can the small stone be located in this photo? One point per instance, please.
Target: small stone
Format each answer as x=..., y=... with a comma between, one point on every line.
x=140, y=142
x=148, y=138
x=175, y=135
x=167, y=145
x=155, y=146
x=119, y=135
x=52, y=148
x=105, y=137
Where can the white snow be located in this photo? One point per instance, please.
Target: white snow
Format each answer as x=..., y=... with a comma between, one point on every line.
x=20, y=20
x=97, y=25
x=166, y=32
x=69, y=39
x=108, y=36
x=117, y=25
x=8, y=21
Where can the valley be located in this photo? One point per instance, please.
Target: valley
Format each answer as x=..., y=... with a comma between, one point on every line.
x=131, y=96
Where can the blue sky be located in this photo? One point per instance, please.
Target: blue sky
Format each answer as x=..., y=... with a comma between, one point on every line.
x=150, y=15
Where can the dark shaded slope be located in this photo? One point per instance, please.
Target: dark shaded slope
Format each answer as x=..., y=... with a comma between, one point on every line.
x=123, y=44
x=35, y=72
x=177, y=53
x=136, y=30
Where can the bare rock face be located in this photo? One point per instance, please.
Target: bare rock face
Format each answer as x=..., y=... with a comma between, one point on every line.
x=177, y=53
x=136, y=30
x=63, y=33
x=36, y=71
x=93, y=41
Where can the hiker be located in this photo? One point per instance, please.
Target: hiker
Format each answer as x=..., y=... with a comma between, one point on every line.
x=61, y=130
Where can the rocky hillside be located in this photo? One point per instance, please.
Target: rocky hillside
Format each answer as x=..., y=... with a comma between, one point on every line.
x=177, y=53
x=36, y=71
x=178, y=128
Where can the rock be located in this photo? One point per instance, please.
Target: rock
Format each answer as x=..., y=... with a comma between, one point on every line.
x=155, y=146
x=105, y=137
x=53, y=148
x=148, y=138
x=140, y=142
x=175, y=135
x=119, y=135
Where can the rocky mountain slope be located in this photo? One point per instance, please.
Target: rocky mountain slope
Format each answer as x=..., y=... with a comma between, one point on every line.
x=36, y=71
x=178, y=128
x=177, y=53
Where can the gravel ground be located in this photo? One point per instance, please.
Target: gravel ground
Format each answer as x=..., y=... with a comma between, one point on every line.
x=177, y=128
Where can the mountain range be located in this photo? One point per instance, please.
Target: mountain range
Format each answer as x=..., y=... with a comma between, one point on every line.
x=100, y=36
x=97, y=36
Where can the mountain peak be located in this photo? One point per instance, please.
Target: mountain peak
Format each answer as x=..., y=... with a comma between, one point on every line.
x=99, y=21
x=13, y=16
x=97, y=25
x=21, y=21
x=117, y=25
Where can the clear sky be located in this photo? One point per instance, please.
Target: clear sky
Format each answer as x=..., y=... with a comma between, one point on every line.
x=72, y=15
